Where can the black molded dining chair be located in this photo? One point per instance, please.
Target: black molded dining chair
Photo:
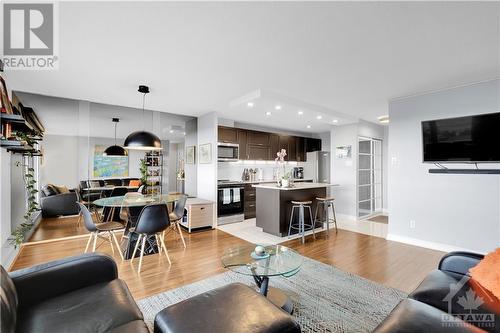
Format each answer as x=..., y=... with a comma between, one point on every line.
x=153, y=220
x=177, y=215
x=97, y=229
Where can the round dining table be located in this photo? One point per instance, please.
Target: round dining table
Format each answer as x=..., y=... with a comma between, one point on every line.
x=127, y=202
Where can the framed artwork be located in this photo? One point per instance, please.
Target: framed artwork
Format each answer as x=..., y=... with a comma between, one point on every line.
x=190, y=154
x=109, y=166
x=205, y=153
x=343, y=151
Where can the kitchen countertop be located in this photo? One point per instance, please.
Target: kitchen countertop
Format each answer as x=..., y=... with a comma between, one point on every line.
x=296, y=186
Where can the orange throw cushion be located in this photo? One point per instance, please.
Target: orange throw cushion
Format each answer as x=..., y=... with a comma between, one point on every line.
x=487, y=272
x=134, y=182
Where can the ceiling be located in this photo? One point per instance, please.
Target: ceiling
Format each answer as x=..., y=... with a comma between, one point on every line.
x=344, y=58
x=63, y=116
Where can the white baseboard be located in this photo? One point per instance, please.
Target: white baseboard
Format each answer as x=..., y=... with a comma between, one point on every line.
x=428, y=245
x=363, y=227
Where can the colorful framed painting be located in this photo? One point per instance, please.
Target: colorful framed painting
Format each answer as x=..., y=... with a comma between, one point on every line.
x=109, y=166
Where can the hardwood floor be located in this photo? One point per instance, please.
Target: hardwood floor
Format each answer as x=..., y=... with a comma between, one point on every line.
x=389, y=263
x=58, y=227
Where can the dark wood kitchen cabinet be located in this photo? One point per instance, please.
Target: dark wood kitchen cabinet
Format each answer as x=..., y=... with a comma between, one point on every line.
x=258, y=138
x=227, y=134
x=288, y=143
x=300, y=144
x=249, y=208
x=313, y=145
x=274, y=143
x=256, y=145
x=242, y=141
x=258, y=153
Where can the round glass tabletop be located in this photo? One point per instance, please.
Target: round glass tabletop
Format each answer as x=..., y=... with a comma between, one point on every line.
x=136, y=201
x=281, y=261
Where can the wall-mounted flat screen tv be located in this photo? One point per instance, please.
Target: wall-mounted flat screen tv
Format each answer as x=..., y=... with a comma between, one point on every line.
x=472, y=139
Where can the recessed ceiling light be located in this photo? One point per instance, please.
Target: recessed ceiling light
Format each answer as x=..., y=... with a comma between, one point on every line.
x=300, y=113
x=383, y=119
x=171, y=131
x=335, y=121
x=183, y=133
x=308, y=126
x=268, y=113
x=319, y=117
x=278, y=107
x=250, y=104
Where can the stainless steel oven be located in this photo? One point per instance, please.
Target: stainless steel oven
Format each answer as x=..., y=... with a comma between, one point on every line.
x=228, y=151
x=230, y=203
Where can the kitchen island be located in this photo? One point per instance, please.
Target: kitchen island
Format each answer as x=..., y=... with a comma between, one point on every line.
x=274, y=207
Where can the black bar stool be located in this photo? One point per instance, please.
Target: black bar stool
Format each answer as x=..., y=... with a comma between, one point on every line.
x=326, y=202
x=301, y=205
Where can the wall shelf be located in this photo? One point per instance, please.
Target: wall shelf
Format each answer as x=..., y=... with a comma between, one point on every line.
x=467, y=171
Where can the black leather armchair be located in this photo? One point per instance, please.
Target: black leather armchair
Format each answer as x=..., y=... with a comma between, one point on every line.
x=435, y=305
x=76, y=294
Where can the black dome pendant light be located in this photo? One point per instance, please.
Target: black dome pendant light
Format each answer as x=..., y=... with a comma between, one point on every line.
x=115, y=150
x=142, y=140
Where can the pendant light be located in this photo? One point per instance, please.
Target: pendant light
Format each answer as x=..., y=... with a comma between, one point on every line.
x=142, y=140
x=115, y=150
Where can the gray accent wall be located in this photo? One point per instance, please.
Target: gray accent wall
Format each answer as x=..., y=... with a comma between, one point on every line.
x=449, y=211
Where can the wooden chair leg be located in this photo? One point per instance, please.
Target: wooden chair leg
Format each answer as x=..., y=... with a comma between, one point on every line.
x=88, y=242
x=111, y=242
x=165, y=249
x=117, y=244
x=142, y=253
x=158, y=243
x=95, y=241
x=180, y=233
x=135, y=248
x=78, y=223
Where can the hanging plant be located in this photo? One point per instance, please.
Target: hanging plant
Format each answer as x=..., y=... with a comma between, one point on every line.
x=18, y=234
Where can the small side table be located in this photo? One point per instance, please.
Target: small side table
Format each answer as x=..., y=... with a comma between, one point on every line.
x=282, y=261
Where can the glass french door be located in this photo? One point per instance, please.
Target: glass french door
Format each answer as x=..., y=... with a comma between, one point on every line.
x=369, y=176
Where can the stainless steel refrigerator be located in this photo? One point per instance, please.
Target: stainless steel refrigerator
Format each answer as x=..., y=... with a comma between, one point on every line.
x=317, y=166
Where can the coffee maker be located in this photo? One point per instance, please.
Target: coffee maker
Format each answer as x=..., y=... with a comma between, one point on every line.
x=298, y=173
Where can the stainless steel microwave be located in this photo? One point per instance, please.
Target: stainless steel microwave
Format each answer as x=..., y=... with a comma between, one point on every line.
x=228, y=151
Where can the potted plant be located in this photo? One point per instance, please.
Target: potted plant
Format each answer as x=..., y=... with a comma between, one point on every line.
x=143, y=168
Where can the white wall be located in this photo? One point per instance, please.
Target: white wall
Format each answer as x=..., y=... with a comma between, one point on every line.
x=450, y=211
x=207, y=173
x=191, y=182
x=69, y=159
x=344, y=171
x=5, y=209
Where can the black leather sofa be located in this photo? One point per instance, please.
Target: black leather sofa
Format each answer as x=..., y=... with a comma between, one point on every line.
x=94, y=195
x=76, y=294
x=53, y=203
x=443, y=302
x=83, y=294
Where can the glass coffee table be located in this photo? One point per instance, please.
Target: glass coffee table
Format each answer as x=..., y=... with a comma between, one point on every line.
x=281, y=261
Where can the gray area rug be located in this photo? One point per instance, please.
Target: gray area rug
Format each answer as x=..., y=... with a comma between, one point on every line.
x=325, y=298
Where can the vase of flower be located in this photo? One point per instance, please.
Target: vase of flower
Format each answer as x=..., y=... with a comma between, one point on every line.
x=280, y=162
